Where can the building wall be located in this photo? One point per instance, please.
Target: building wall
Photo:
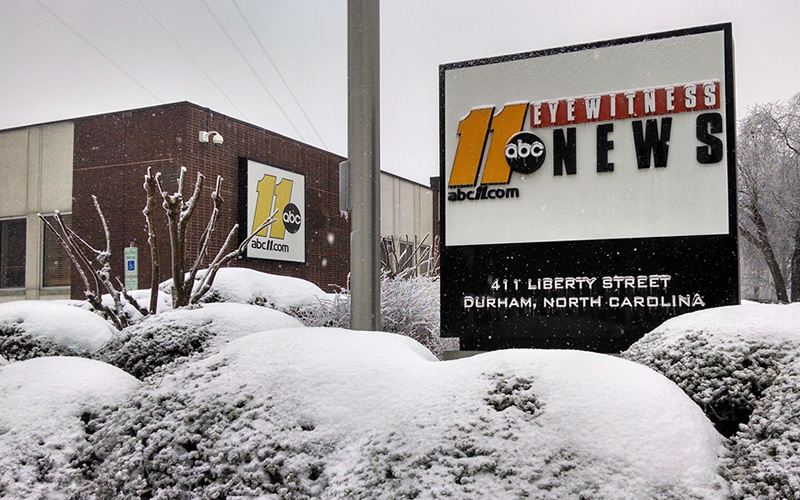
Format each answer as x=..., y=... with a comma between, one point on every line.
x=406, y=208
x=407, y=216
x=113, y=152
x=36, y=177
x=60, y=166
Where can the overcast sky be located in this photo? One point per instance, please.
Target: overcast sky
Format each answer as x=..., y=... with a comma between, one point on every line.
x=282, y=64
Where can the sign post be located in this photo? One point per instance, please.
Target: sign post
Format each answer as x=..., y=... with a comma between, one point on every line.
x=590, y=191
x=131, y=255
x=363, y=153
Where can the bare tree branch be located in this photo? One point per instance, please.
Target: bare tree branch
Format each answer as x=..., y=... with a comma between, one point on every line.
x=150, y=187
x=221, y=258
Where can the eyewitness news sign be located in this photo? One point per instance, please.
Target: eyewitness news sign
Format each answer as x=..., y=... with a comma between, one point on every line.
x=602, y=167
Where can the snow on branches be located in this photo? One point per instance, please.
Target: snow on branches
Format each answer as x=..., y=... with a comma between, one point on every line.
x=179, y=211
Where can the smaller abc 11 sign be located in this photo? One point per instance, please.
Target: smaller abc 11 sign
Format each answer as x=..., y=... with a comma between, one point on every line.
x=269, y=190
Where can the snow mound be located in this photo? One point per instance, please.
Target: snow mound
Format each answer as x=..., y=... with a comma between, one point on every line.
x=724, y=358
x=246, y=286
x=46, y=403
x=142, y=297
x=764, y=459
x=145, y=347
x=232, y=320
x=773, y=323
x=331, y=413
x=54, y=324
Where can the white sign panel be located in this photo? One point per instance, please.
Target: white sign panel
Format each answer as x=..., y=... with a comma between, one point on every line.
x=131, y=255
x=271, y=190
x=620, y=141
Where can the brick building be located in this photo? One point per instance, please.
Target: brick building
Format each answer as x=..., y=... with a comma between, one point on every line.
x=59, y=167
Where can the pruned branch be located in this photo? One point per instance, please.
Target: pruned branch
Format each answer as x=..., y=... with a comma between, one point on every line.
x=205, y=237
x=151, y=185
x=99, y=268
x=222, y=258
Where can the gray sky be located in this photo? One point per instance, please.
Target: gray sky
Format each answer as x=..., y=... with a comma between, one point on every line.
x=223, y=54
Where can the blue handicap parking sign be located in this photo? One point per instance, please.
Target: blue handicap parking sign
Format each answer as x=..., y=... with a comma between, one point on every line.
x=131, y=265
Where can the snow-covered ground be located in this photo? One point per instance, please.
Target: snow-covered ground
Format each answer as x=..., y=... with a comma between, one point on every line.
x=238, y=400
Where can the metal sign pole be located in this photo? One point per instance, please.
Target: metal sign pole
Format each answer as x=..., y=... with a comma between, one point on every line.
x=363, y=150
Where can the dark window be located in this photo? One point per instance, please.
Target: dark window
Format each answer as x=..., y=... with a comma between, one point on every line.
x=55, y=261
x=12, y=253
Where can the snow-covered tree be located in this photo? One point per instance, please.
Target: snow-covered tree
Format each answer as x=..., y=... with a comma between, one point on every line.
x=769, y=192
x=189, y=287
x=189, y=283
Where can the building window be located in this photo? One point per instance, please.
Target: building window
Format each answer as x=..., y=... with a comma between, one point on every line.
x=55, y=261
x=12, y=253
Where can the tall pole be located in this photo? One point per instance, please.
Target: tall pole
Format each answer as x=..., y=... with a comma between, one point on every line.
x=363, y=151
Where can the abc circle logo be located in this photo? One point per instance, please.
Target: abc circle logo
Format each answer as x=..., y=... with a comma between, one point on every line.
x=291, y=218
x=525, y=152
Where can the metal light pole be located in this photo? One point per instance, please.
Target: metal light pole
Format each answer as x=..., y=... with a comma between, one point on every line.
x=363, y=151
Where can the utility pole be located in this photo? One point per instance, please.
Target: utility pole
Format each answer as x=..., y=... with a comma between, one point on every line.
x=363, y=151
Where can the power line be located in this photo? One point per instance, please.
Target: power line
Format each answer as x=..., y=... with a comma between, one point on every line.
x=275, y=67
x=96, y=49
x=193, y=60
x=252, y=69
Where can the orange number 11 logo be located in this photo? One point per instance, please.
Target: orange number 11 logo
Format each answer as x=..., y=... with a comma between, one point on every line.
x=271, y=197
x=473, y=132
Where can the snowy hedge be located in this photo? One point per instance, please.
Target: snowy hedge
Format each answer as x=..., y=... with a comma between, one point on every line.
x=764, y=461
x=329, y=413
x=143, y=348
x=247, y=286
x=409, y=307
x=724, y=358
x=31, y=329
x=741, y=364
x=45, y=405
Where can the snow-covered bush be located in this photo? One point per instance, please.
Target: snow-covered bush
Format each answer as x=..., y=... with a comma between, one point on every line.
x=765, y=454
x=142, y=348
x=247, y=286
x=17, y=345
x=328, y=413
x=409, y=306
x=724, y=358
x=32, y=328
x=129, y=311
x=45, y=405
x=193, y=437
